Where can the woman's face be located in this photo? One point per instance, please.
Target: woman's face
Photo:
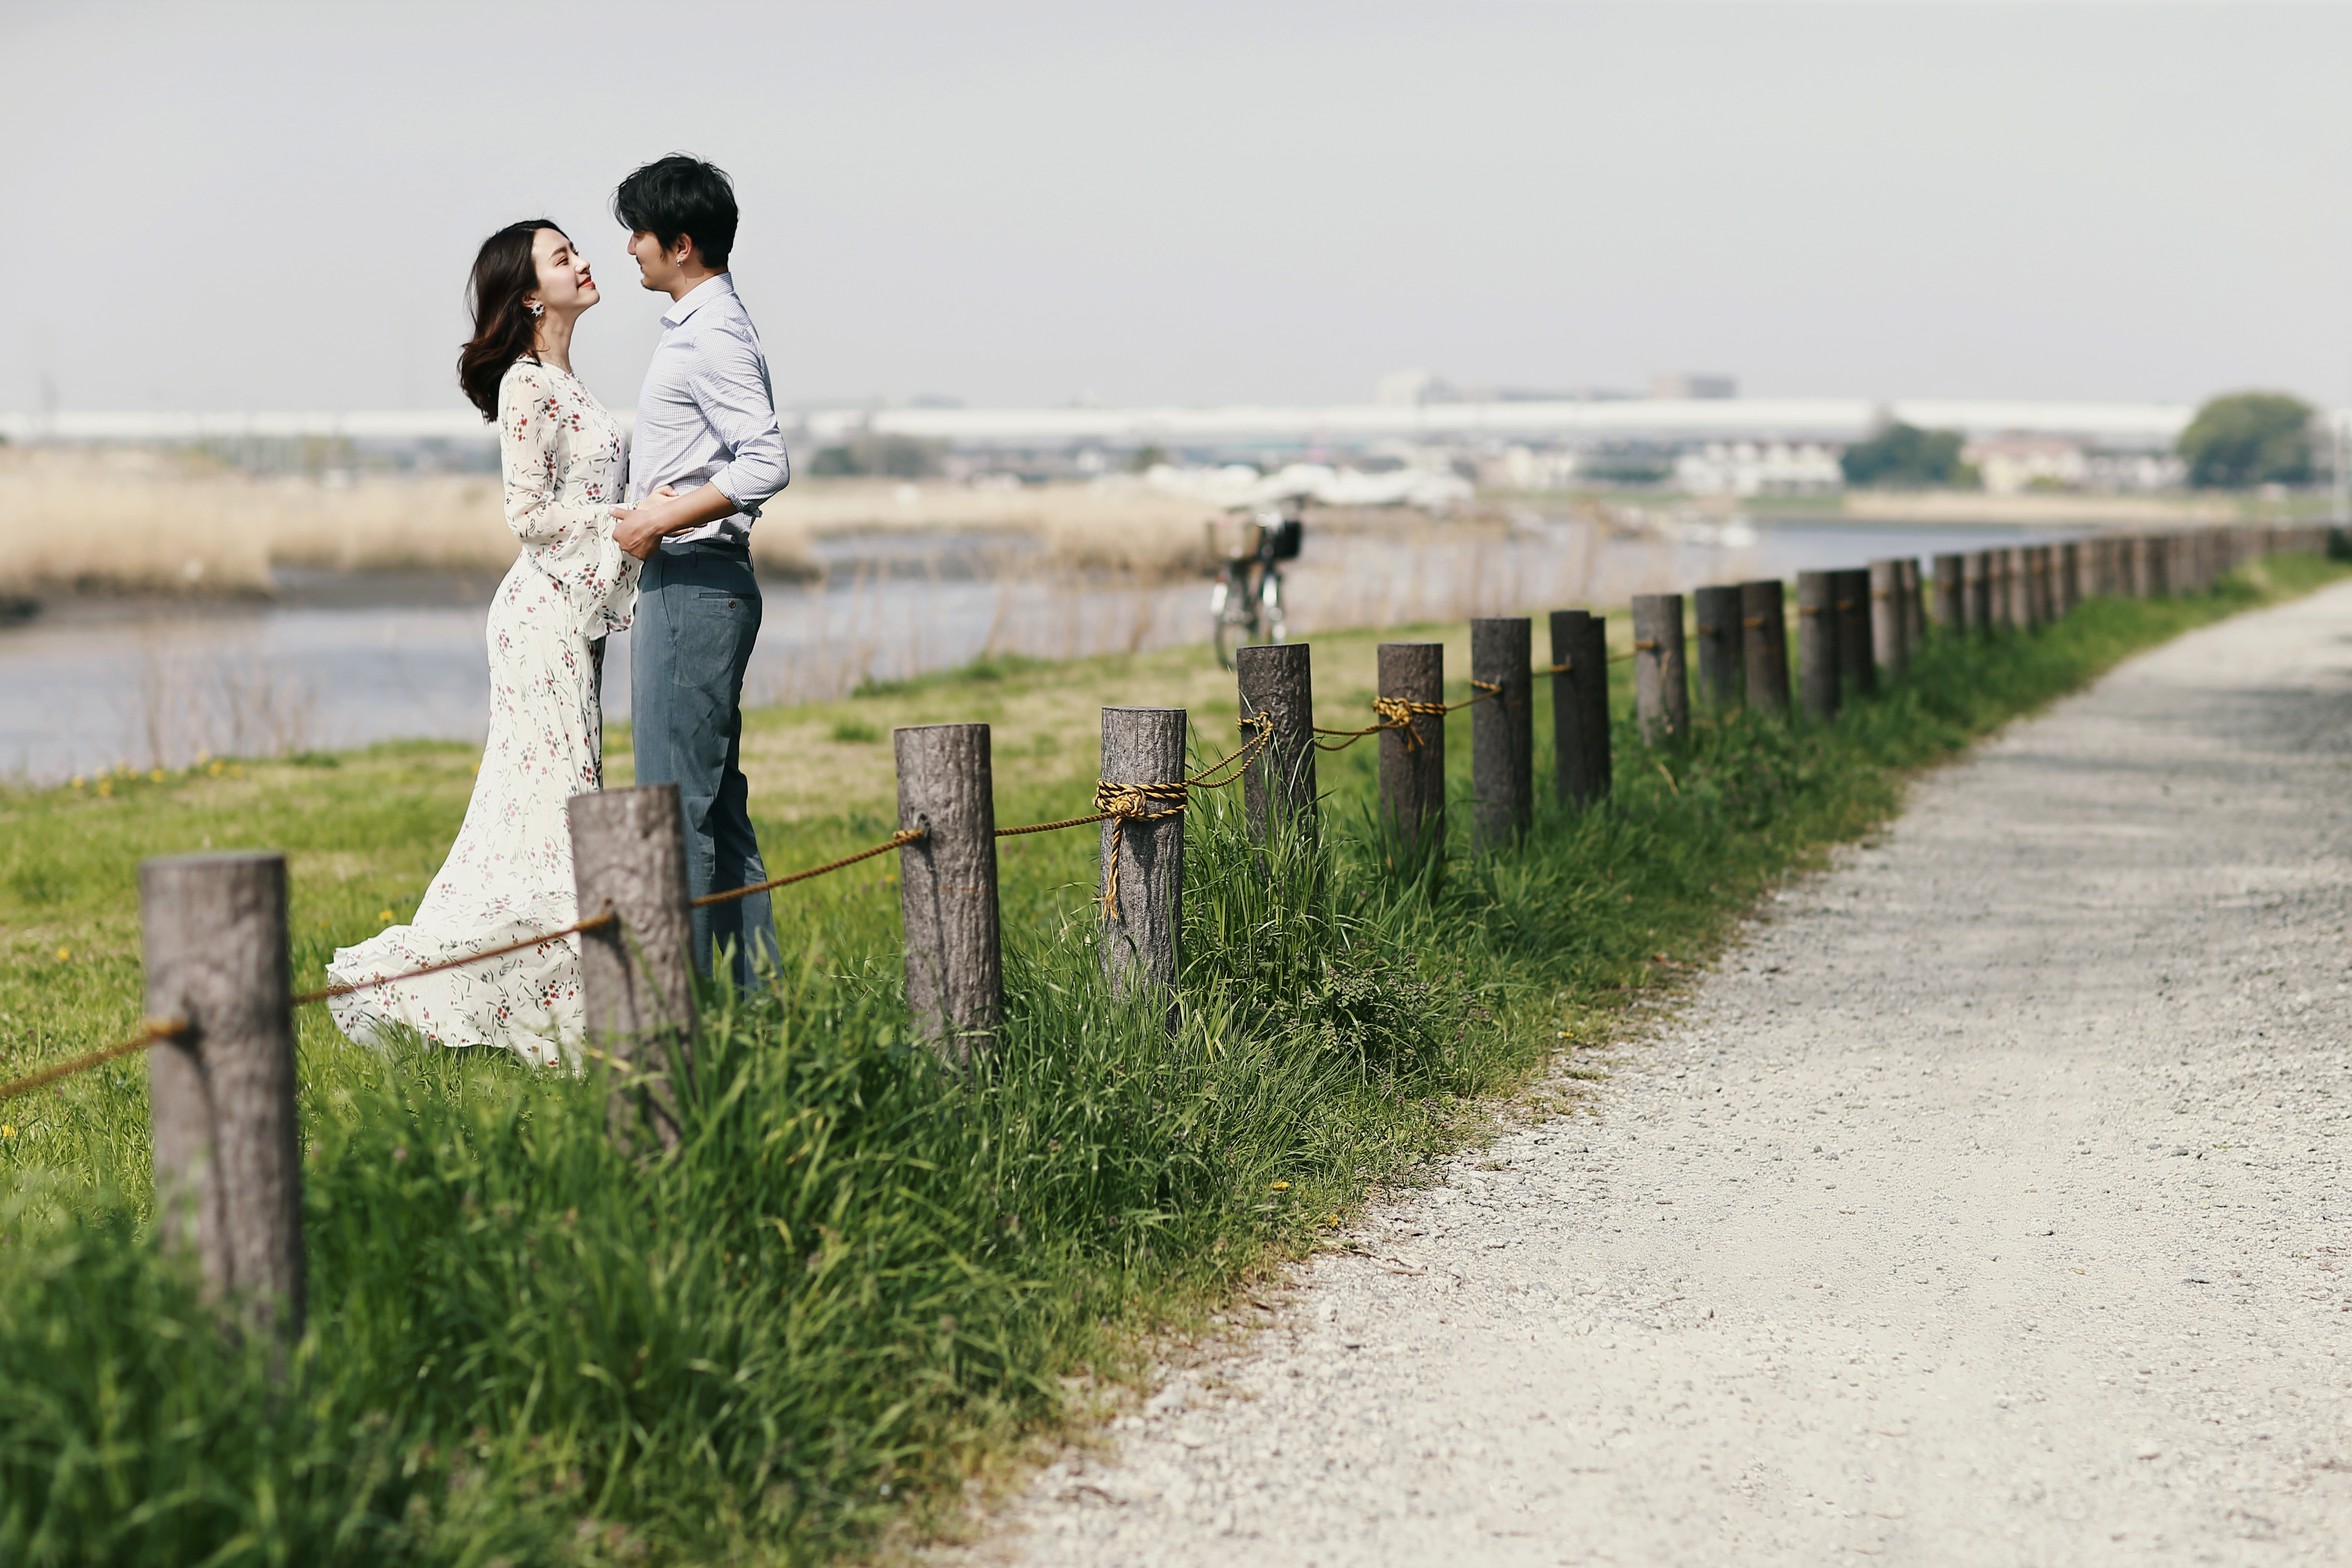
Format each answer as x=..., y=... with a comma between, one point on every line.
x=564, y=286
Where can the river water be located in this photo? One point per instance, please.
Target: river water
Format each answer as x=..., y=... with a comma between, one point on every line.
x=340, y=661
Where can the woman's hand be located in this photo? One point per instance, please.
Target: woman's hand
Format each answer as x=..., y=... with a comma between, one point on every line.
x=636, y=529
x=666, y=511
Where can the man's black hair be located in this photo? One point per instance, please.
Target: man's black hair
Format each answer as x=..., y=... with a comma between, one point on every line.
x=681, y=196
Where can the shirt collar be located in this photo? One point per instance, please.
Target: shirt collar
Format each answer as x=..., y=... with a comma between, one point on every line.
x=696, y=297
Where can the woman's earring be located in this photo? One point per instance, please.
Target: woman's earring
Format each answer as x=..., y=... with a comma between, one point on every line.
x=536, y=308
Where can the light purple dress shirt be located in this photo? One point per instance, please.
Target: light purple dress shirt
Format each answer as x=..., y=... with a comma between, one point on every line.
x=707, y=415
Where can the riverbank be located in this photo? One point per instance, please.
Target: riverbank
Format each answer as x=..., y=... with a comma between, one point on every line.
x=868, y=1288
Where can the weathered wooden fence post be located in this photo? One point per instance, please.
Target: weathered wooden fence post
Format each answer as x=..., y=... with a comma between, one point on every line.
x=2154, y=549
x=1915, y=606
x=228, y=1166
x=946, y=889
x=636, y=975
x=2070, y=576
x=1852, y=591
x=1278, y=683
x=1719, y=673
x=1142, y=872
x=1764, y=644
x=1977, y=569
x=2017, y=585
x=1502, y=729
x=1661, y=678
x=1579, y=705
x=1412, y=751
x=1817, y=644
x=1951, y=594
x=1888, y=620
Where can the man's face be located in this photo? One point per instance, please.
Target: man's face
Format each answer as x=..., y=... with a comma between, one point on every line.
x=657, y=268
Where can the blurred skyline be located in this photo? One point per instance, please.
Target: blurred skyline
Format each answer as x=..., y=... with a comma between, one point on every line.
x=273, y=206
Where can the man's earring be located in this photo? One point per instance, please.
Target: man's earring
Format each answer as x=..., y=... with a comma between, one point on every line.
x=536, y=308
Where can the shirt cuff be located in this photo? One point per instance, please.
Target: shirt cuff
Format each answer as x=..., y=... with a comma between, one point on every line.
x=722, y=482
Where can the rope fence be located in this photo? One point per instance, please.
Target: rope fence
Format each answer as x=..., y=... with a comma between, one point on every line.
x=1856, y=633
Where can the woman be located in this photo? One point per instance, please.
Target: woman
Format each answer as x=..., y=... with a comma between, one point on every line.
x=509, y=874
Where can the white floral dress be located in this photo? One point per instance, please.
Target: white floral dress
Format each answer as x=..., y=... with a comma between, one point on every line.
x=510, y=873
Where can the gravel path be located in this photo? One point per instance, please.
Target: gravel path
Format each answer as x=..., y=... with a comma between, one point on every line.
x=1985, y=1205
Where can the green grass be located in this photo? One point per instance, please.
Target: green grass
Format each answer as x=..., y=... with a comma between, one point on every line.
x=859, y=1284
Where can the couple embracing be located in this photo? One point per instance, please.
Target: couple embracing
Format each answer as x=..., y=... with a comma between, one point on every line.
x=654, y=530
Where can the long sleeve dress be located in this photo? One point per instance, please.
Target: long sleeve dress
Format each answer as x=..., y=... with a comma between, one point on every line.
x=509, y=874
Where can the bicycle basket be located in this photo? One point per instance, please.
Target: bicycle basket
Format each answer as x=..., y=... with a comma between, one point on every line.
x=1235, y=538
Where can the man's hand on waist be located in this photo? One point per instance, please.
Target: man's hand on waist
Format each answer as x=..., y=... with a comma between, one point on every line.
x=639, y=529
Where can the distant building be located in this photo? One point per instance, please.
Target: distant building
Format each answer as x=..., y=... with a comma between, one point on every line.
x=1759, y=469
x=1411, y=389
x=2134, y=471
x=1687, y=385
x=2008, y=464
x=1528, y=468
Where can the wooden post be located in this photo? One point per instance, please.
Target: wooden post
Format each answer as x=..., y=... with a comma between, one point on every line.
x=1412, y=756
x=1720, y=675
x=2070, y=576
x=1817, y=644
x=1952, y=592
x=1278, y=681
x=946, y=889
x=1888, y=622
x=1141, y=879
x=2016, y=583
x=1764, y=644
x=1851, y=588
x=1977, y=573
x=2046, y=584
x=1661, y=684
x=1502, y=729
x=636, y=976
x=1915, y=607
x=228, y=1167
x=1579, y=706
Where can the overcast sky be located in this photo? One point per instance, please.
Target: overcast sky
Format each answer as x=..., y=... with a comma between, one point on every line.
x=247, y=207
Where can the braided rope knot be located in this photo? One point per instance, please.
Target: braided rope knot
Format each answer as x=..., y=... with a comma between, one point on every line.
x=1126, y=803
x=1396, y=714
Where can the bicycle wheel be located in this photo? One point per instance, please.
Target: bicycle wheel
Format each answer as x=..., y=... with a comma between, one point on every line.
x=1277, y=624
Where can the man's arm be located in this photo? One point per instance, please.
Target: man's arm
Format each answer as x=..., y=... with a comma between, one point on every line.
x=730, y=384
x=638, y=528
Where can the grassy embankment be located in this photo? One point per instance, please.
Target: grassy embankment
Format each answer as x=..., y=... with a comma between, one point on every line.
x=860, y=1285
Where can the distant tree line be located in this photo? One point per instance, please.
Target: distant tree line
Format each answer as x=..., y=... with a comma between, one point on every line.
x=2245, y=438
x=2236, y=441
x=879, y=457
x=1903, y=457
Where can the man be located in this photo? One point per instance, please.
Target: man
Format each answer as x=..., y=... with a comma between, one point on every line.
x=706, y=456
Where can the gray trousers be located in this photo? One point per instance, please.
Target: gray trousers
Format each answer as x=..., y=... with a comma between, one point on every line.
x=698, y=618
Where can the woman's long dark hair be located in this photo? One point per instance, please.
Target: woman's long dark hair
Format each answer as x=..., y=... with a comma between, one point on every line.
x=503, y=273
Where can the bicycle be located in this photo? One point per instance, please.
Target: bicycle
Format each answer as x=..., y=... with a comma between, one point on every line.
x=1245, y=602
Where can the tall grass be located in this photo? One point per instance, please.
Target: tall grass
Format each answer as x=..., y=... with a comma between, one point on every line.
x=859, y=1281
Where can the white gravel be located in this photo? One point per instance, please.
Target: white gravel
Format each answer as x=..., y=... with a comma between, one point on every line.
x=1985, y=1205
